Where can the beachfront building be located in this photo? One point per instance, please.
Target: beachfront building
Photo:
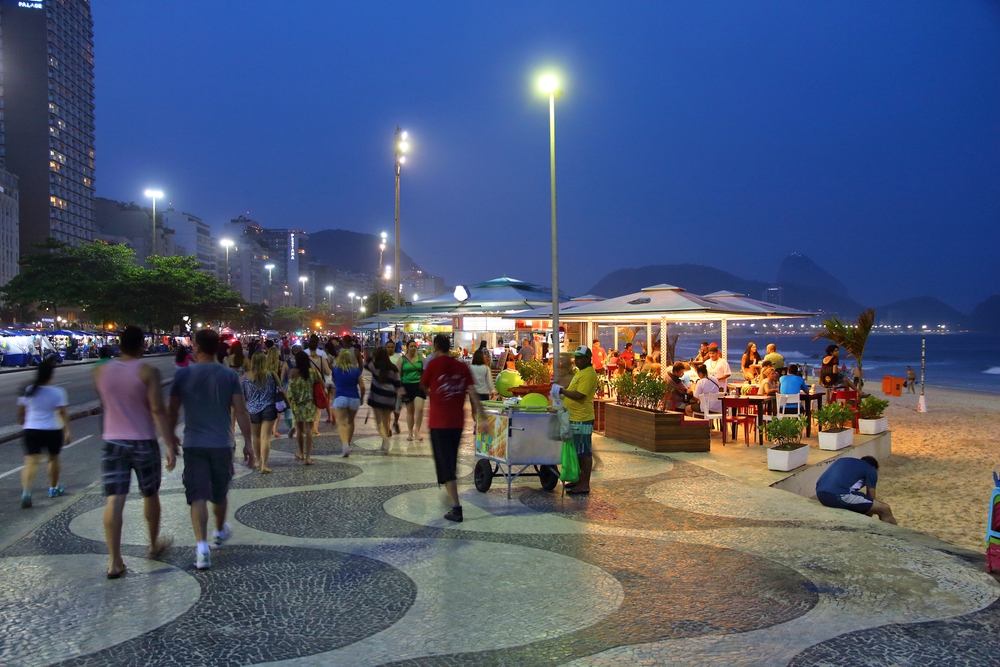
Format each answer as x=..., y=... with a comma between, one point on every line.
x=9, y=223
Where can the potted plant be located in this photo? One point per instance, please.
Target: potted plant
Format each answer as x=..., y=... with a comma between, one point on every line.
x=788, y=452
x=871, y=419
x=637, y=417
x=536, y=376
x=834, y=421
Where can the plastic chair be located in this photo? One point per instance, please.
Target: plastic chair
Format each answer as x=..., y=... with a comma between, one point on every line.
x=744, y=413
x=706, y=403
x=848, y=397
x=993, y=528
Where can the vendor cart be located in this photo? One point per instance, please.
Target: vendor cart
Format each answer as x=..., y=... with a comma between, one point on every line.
x=510, y=441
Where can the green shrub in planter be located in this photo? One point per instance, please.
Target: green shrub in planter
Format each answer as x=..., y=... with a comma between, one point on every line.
x=533, y=372
x=872, y=408
x=644, y=391
x=785, y=432
x=833, y=416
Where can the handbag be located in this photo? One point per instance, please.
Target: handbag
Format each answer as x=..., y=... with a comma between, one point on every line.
x=280, y=400
x=570, y=471
x=558, y=427
x=319, y=391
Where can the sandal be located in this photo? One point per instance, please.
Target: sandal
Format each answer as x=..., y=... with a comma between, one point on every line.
x=310, y=462
x=119, y=574
x=162, y=544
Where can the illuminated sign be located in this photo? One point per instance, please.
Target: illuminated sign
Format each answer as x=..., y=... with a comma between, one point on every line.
x=30, y=4
x=486, y=324
x=291, y=246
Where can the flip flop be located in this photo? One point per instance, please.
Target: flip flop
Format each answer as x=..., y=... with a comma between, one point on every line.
x=117, y=575
x=310, y=463
x=574, y=492
x=162, y=544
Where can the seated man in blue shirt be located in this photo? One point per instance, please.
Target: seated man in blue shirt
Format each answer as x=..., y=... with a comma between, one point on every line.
x=791, y=384
x=840, y=487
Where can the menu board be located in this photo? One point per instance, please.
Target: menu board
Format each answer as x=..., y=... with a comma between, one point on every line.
x=491, y=436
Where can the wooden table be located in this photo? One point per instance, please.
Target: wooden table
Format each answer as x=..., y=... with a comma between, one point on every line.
x=767, y=405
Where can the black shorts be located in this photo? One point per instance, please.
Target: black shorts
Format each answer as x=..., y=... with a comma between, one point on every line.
x=207, y=473
x=412, y=390
x=444, y=443
x=268, y=414
x=35, y=440
x=120, y=457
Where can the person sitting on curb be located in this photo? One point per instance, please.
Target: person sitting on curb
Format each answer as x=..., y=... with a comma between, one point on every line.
x=840, y=485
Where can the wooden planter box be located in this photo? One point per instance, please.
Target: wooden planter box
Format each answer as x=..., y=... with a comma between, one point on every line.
x=656, y=431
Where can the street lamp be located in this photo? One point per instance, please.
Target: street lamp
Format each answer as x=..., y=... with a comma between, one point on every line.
x=155, y=194
x=549, y=85
x=350, y=295
x=269, y=267
x=381, y=249
x=329, y=297
x=402, y=145
x=303, y=279
x=227, y=243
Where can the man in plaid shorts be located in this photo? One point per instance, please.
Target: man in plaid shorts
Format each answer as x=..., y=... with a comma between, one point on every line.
x=132, y=395
x=579, y=400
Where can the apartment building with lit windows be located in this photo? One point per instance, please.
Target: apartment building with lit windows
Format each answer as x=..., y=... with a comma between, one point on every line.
x=47, y=54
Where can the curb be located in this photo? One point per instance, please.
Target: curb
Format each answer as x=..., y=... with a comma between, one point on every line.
x=71, y=364
x=78, y=411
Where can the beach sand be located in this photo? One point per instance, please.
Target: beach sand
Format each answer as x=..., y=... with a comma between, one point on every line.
x=939, y=479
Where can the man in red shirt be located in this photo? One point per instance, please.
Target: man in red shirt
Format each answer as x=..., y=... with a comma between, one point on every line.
x=446, y=382
x=599, y=355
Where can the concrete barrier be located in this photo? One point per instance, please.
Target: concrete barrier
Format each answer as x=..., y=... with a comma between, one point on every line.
x=803, y=481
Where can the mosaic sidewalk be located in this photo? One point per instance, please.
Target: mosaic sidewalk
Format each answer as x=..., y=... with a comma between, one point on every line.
x=349, y=562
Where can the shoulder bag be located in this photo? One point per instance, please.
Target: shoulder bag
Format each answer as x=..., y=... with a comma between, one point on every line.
x=319, y=390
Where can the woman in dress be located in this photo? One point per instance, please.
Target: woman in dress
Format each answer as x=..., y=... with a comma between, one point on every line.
x=750, y=357
x=42, y=414
x=260, y=387
x=237, y=361
x=275, y=366
x=348, y=391
x=304, y=411
x=382, y=397
x=411, y=367
x=317, y=356
x=482, y=376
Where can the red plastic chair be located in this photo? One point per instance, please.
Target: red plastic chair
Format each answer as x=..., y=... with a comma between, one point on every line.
x=848, y=397
x=739, y=411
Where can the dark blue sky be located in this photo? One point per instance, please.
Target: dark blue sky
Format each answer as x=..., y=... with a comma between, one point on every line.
x=864, y=134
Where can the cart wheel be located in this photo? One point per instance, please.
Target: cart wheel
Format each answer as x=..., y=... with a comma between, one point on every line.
x=549, y=477
x=483, y=475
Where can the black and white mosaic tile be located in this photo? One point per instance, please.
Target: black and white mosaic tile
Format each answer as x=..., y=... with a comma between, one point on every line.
x=296, y=473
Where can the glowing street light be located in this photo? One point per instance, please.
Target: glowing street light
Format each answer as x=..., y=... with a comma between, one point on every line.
x=227, y=244
x=549, y=85
x=270, y=268
x=402, y=146
x=302, y=301
x=155, y=194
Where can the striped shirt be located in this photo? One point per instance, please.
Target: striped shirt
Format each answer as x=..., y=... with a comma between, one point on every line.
x=383, y=394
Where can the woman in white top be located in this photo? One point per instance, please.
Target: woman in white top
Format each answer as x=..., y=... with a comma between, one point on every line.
x=42, y=414
x=482, y=377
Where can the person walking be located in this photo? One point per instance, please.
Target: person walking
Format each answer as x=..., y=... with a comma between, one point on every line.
x=349, y=390
x=41, y=412
x=394, y=358
x=331, y=348
x=382, y=397
x=301, y=380
x=482, y=377
x=260, y=389
x=318, y=358
x=209, y=393
x=446, y=381
x=411, y=367
x=131, y=393
x=911, y=380
x=278, y=369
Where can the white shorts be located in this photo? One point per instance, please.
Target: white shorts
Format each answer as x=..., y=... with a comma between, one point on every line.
x=345, y=403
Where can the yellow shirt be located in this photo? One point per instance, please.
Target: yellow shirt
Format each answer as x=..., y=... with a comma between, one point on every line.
x=584, y=382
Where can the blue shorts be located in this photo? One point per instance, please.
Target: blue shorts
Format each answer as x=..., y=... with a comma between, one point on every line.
x=583, y=433
x=855, y=502
x=346, y=403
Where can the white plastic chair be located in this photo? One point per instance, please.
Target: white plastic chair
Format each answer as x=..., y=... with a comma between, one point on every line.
x=706, y=403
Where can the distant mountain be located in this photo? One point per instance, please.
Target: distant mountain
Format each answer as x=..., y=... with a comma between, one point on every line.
x=798, y=269
x=692, y=277
x=353, y=251
x=986, y=316
x=921, y=310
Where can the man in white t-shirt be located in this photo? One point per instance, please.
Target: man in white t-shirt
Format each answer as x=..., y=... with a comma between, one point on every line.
x=704, y=385
x=718, y=368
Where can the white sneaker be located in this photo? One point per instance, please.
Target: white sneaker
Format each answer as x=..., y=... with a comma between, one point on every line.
x=203, y=561
x=346, y=451
x=222, y=535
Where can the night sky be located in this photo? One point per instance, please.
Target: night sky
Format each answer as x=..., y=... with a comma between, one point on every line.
x=865, y=134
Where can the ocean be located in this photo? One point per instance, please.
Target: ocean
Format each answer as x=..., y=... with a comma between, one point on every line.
x=957, y=361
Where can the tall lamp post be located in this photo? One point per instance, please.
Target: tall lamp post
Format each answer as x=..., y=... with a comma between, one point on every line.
x=350, y=295
x=155, y=194
x=550, y=86
x=270, y=268
x=381, y=249
x=227, y=244
x=329, y=297
x=302, y=301
x=402, y=145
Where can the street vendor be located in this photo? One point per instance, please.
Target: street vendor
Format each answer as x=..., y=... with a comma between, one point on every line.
x=579, y=400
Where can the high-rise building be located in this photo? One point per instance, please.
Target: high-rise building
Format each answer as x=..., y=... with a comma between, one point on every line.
x=193, y=236
x=9, y=250
x=47, y=54
x=286, y=249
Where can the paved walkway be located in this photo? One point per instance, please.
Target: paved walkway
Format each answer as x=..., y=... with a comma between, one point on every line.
x=349, y=562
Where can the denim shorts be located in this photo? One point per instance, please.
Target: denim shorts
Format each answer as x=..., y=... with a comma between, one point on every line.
x=346, y=403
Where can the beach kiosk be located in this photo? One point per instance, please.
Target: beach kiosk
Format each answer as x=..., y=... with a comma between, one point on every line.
x=514, y=440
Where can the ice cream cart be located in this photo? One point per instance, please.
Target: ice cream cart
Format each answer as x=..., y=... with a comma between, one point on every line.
x=512, y=440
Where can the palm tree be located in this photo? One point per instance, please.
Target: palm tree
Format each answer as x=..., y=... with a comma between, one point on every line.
x=851, y=336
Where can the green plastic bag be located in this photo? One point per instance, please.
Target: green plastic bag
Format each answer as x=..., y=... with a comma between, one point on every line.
x=570, y=463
